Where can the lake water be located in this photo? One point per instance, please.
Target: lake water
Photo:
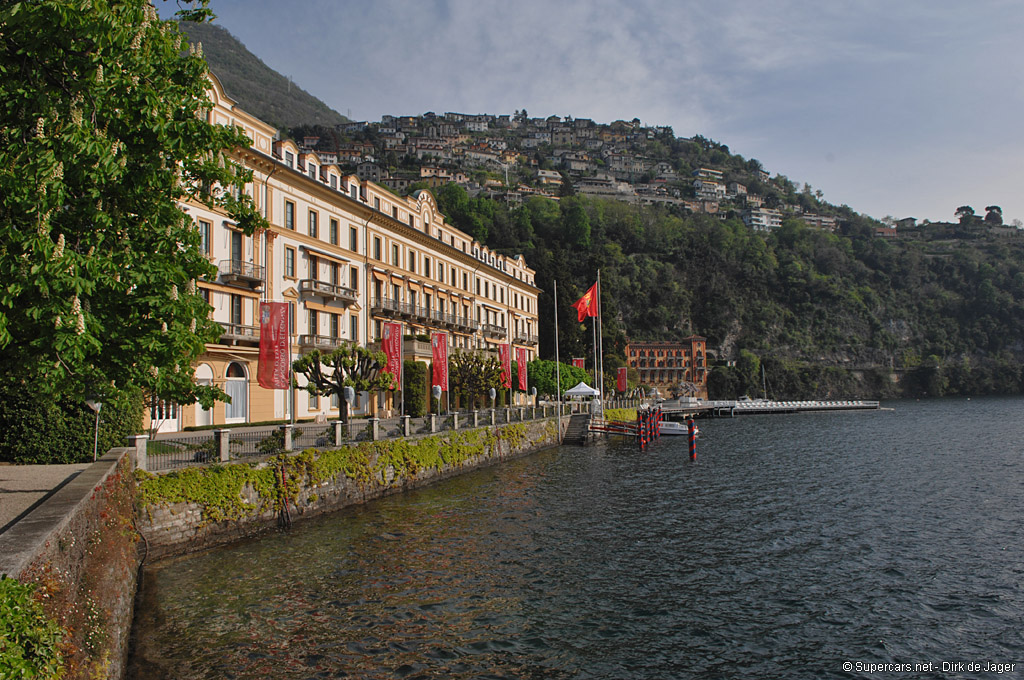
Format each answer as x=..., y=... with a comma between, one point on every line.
x=793, y=545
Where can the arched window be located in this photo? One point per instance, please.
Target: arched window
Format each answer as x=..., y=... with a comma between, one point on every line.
x=236, y=385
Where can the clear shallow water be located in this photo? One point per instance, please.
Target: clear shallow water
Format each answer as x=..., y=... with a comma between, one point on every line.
x=792, y=545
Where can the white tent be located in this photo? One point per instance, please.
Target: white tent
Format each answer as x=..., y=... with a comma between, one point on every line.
x=582, y=390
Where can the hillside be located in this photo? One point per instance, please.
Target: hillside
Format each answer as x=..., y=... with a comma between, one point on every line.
x=256, y=87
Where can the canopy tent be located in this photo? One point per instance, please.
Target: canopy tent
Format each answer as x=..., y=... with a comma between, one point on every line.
x=582, y=390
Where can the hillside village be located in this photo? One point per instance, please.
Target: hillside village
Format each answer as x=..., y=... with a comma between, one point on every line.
x=513, y=157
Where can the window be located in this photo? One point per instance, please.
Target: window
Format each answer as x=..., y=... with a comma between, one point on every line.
x=412, y=261
x=205, y=233
x=205, y=292
x=394, y=212
x=314, y=267
x=289, y=262
x=334, y=181
x=354, y=191
x=335, y=326
x=354, y=321
x=478, y=286
x=335, y=400
x=334, y=231
x=314, y=220
x=291, y=318
x=395, y=257
x=465, y=281
x=236, y=309
x=289, y=159
x=376, y=203
x=412, y=221
x=314, y=322
x=353, y=278
x=426, y=267
x=440, y=271
x=334, y=273
x=289, y=215
x=376, y=247
x=314, y=401
x=312, y=170
x=353, y=240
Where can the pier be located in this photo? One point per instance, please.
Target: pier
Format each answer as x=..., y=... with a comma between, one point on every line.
x=733, y=408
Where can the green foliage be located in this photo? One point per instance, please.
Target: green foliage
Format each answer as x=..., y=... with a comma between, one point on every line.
x=101, y=136
x=416, y=387
x=350, y=365
x=472, y=375
x=543, y=376
x=29, y=641
x=61, y=429
x=626, y=414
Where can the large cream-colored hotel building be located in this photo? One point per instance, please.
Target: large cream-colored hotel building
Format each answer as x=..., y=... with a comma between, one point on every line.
x=347, y=256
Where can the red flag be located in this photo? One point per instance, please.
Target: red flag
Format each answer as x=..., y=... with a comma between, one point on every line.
x=505, y=356
x=521, y=367
x=275, y=348
x=439, y=359
x=391, y=343
x=579, y=362
x=621, y=386
x=587, y=305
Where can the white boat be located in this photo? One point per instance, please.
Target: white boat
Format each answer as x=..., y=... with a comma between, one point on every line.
x=670, y=427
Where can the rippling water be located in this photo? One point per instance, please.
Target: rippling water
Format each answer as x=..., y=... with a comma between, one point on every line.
x=792, y=545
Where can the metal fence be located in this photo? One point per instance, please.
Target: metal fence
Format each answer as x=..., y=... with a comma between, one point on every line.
x=172, y=452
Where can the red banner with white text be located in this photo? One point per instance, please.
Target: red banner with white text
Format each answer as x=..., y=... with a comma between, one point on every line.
x=439, y=360
x=521, y=367
x=391, y=343
x=505, y=357
x=579, y=362
x=275, y=349
x=621, y=384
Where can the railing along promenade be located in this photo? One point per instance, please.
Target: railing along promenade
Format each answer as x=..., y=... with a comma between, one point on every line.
x=175, y=451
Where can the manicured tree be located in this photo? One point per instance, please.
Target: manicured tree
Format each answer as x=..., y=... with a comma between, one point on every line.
x=103, y=136
x=350, y=365
x=472, y=375
x=416, y=387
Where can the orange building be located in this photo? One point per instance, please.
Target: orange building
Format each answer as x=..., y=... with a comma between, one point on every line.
x=678, y=368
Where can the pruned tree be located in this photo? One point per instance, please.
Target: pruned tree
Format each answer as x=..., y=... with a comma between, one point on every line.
x=965, y=213
x=472, y=375
x=993, y=215
x=350, y=365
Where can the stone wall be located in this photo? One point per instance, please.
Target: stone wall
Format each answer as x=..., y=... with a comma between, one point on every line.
x=201, y=507
x=80, y=548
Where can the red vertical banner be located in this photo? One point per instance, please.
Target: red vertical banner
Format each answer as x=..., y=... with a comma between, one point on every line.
x=275, y=348
x=521, y=367
x=505, y=356
x=579, y=362
x=621, y=384
x=391, y=343
x=439, y=360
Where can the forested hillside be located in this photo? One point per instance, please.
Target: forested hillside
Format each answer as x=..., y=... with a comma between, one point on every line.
x=259, y=89
x=826, y=312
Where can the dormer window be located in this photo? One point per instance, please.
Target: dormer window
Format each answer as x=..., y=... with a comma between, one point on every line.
x=312, y=170
x=289, y=159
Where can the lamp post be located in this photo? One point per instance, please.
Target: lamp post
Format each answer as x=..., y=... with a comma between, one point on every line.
x=95, y=406
x=493, y=394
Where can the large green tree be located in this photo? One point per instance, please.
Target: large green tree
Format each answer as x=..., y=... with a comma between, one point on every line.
x=329, y=373
x=103, y=137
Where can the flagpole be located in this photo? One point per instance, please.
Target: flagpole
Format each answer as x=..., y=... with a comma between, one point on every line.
x=600, y=341
x=558, y=372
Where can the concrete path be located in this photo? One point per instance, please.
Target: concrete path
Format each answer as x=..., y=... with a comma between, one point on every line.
x=23, y=487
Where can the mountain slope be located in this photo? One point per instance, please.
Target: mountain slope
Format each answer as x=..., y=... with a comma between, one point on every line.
x=256, y=87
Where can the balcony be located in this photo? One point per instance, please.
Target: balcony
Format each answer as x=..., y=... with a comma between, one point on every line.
x=235, y=333
x=238, y=273
x=327, y=291
x=525, y=339
x=321, y=342
x=385, y=307
x=492, y=331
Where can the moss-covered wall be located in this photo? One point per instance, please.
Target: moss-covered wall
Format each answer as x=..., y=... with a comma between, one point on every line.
x=200, y=507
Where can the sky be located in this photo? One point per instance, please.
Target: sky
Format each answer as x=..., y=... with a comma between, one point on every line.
x=908, y=108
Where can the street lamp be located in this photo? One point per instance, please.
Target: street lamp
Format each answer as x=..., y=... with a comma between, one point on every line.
x=95, y=406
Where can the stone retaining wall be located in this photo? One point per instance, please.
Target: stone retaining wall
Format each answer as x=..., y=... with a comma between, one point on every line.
x=79, y=548
x=175, y=520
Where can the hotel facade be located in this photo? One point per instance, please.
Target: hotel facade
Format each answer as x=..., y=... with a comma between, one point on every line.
x=346, y=255
x=676, y=368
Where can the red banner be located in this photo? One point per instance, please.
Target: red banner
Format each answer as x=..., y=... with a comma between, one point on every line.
x=505, y=357
x=621, y=385
x=579, y=363
x=439, y=359
x=521, y=367
x=391, y=343
x=275, y=348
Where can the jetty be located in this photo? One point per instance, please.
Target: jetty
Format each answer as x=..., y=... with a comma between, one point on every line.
x=697, y=408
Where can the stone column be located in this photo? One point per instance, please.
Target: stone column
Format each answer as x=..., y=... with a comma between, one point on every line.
x=406, y=425
x=339, y=429
x=433, y=422
x=476, y=418
x=287, y=437
x=138, y=442
x=222, y=440
x=374, y=429
x=455, y=420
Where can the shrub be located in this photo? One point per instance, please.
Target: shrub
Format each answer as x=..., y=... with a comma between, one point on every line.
x=415, y=386
x=28, y=640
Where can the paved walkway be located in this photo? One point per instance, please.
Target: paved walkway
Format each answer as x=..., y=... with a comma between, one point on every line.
x=22, y=487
